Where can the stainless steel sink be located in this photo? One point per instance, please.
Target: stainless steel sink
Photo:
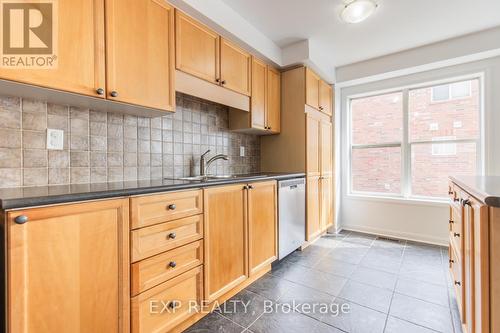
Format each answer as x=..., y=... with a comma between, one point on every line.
x=216, y=177
x=207, y=178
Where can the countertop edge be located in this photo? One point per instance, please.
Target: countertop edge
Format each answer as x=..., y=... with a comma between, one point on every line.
x=26, y=202
x=486, y=198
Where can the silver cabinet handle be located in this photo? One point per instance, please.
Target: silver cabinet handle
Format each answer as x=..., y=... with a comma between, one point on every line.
x=21, y=219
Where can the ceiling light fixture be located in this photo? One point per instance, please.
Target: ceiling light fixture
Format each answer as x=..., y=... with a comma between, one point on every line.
x=358, y=10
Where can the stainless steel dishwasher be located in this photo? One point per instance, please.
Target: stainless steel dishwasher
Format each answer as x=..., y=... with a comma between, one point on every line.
x=291, y=215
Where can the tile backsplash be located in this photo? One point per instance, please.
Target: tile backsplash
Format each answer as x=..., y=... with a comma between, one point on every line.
x=101, y=146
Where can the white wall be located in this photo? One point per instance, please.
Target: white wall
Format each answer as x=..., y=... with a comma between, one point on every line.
x=461, y=49
x=426, y=222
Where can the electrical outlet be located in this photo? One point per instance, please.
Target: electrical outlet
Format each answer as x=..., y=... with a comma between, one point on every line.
x=242, y=151
x=55, y=139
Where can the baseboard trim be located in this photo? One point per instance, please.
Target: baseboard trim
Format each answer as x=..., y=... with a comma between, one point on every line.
x=398, y=234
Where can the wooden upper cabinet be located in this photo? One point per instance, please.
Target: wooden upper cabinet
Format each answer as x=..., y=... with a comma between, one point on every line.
x=313, y=152
x=259, y=92
x=80, y=51
x=273, y=100
x=225, y=241
x=68, y=268
x=197, y=48
x=235, y=67
x=140, y=56
x=326, y=155
x=312, y=89
x=325, y=97
x=262, y=225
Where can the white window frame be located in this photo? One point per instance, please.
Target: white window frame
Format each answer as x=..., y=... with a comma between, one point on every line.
x=406, y=176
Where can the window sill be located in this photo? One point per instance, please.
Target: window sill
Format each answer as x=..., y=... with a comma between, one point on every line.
x=400, y=200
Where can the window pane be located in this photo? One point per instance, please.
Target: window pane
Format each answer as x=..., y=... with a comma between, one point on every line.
x=457, y=118
x=460, y=89
x=440, y=93
x=376, y=170
x=377, y=119
x=433, y=163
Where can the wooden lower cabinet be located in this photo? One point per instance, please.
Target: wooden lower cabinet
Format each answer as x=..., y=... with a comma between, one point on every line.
x=167, y=305
x=68, y=268
x=473, y=260
x=240, y=234
x=262, y=225
x=313, y=204
x=225, y=240
x=319, y=206
x=326, y=202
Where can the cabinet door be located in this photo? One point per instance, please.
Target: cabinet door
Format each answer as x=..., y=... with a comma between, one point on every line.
x=325, y=97
x=80, y=51
x=468, y=274
x=313, y=207
x=326, y=155
x=235, y=67
x=477, y=216
x=197, y=48
x=258, y=100
x=262, y=225
x=140, y=56
x=225, y=239
x=312, y=89
x=273, y=100
x=326, y=188
x=312, y=145
x=68, y=268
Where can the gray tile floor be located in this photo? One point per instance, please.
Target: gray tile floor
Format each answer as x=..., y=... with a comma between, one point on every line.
x=383, y=286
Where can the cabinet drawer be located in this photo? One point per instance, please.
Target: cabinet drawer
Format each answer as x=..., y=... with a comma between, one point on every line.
x=151, y=311
x=158, y=208
x=150, y=272
x=456, y=270
x=146, y=242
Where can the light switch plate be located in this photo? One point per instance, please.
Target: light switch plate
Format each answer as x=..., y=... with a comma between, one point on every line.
x=55, y=139
x=242, y=151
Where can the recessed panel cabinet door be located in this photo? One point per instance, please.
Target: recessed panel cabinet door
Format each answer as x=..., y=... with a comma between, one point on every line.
x=235, y=67
x=326, y=189
x=262, y=224
x=80, y=51
x=140, y=53
x=197, y=48
x=326, y=149
x=68, y=268
x=312, y=89
x=325, y=97
x=273, y=100
x=312, y=145
x=313, y=205
x=258, y=100
x=225, y=239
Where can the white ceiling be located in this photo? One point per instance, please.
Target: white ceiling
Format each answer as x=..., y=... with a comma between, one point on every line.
x=396, y=25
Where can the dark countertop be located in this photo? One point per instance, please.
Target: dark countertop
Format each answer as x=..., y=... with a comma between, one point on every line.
x=483, y=188
x=11, y=198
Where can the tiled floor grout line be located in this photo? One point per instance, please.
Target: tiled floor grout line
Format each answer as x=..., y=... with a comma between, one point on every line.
x=397, y=274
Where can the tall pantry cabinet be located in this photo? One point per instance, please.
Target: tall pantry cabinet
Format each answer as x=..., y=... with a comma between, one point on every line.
x=305, y=144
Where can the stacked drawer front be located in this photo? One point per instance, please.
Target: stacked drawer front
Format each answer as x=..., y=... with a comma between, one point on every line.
x=167, y=259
